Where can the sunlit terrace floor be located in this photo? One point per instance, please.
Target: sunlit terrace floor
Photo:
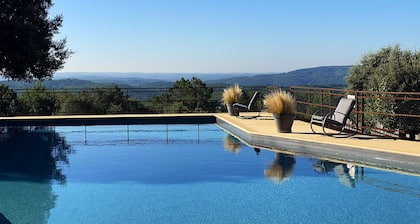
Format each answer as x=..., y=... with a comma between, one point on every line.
x=367, y=150
x=260, y=132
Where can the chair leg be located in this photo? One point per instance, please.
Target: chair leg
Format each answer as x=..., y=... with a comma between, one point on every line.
x=333, y=127
x=324, y=122
x=353, y=128
x=311, y=123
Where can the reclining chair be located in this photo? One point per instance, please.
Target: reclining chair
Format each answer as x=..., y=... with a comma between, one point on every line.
x=337, y=118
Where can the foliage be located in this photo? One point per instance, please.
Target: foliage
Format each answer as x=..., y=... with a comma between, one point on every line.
x=388, y=70
x=202, y=95
x=8, y=101
x=27, y=48
x=280, y=102
x=37, y=101
x=185, y=96
x=232, y=94
x=96, y=101
x=80, y=103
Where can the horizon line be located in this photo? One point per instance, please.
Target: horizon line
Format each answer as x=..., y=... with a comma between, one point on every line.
x=237, y=72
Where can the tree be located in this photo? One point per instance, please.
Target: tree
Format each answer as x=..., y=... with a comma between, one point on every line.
x=95, y=101
x=80, y=103
x=389, y=70
x=8, y=101
x=37, y=101
x=184, y=96
x=202, y=96
x=109, y=100
x=27, y=48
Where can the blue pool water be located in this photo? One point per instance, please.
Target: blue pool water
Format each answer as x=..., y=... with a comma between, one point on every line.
x=186, y=174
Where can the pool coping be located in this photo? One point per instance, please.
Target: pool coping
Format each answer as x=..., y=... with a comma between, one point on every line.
x=116, y=119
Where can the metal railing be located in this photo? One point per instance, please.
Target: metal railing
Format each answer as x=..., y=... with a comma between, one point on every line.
x=394, y=114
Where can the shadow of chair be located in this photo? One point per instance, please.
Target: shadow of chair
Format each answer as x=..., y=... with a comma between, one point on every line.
x=338, y=118
x=242, y=107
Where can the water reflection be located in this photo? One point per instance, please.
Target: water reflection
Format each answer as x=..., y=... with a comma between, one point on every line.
x=346, y=173
x=281, y=168
x=30, y=160
x=32, y=154
x=232, y=144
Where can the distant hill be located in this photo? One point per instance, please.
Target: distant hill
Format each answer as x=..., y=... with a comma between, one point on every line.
x=52, y=84
x=140, y=77
x=320, y=76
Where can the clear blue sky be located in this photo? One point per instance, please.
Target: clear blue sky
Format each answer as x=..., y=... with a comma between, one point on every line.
x=206, y=36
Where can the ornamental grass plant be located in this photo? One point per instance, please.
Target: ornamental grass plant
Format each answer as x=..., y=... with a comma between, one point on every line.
x=280, y=102
x=232, y=94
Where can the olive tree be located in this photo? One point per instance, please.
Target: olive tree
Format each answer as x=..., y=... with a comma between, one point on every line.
x=390, y=69
x=27, y=48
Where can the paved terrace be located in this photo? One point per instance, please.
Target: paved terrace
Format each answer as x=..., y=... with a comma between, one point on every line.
x=258, y=132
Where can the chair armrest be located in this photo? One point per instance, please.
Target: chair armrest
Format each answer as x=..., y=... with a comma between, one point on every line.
x=239, y=105
x=329, y=116
x=317, y=112
x=318, y=115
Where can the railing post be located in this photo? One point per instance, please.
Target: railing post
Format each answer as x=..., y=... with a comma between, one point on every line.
x=356, y=98
x=362, y=118
x=126, y=101
x=308, y=111
x=197, y=104
x=330, y=99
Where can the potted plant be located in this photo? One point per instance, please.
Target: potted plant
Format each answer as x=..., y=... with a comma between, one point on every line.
x=283, y=107
x=231, y=95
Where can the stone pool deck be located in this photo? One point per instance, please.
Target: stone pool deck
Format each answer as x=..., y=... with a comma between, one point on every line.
x=260, y=132
x=364, y=150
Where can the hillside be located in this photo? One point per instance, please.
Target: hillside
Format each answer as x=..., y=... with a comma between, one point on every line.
x=320, y=76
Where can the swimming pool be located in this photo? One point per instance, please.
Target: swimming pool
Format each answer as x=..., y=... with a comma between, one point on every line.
x=186, y=174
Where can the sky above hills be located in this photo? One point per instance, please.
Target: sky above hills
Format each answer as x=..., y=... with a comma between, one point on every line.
x=211, y=36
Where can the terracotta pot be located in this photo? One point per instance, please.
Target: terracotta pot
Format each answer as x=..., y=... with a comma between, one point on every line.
x=284, y=122
x=232, y=110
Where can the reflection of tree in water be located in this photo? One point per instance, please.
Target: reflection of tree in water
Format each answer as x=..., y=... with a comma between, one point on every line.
x=232, y=144
x=29, y=160
x=281, y=168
